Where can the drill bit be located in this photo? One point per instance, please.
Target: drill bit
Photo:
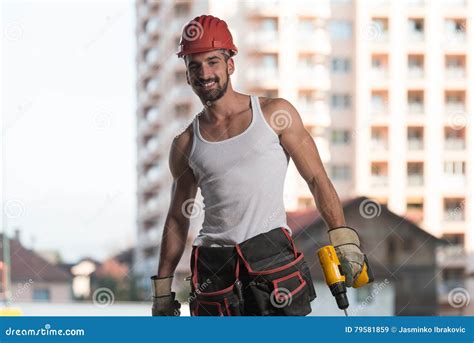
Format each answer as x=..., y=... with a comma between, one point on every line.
x=345, y=311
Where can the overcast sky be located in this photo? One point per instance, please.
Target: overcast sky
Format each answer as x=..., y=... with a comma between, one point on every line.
x=68, y=125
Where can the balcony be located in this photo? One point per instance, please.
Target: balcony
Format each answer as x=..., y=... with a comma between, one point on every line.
x=379, y=73
x=263, y=8
x=263, y=77
x=379, y=145
x=455, y=73
x=415, y=108
x=314, y=113
x=416, y=73
x=454, y=182
x=314, y=77
x=317, y=41
x=458, y=37
x=415, y=180
x=416, y=36
x=454, y=144
x=379, y=180
x=415, y=144
x=454, y=214
x=263, y=40
x=379, y=110
x=454, y=107
x=452, y=256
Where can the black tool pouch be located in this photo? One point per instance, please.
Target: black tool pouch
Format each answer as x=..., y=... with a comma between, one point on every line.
x=279, y=277
x=215, y=286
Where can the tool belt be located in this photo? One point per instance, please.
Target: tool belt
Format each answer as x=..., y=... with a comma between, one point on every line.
x=264, y=275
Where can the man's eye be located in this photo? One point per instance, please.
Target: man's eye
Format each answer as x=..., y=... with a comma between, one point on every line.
x=212, y=63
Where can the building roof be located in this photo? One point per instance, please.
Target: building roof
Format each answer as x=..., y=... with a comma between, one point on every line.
x=26, y=265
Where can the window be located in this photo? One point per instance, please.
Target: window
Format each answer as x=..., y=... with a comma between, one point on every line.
x=455, y=168
x=340, y=29
x=269, y=25
x=306, y=26
x=340, y=137
x=269, y=61
x=182, y=9
x=41, y=294
x=341, y=65
x=455, y=26
x=180, y=76
x=340, y=101
x=416, y=26
x=454, y=238
x=341, y=172
x=454, y=209
x=182, y=110
x=380, y=25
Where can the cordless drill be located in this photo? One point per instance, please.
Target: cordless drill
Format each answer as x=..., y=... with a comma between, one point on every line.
x=336, y=279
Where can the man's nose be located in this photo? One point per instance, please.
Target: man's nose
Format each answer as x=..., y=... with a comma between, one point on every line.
x=205, y=72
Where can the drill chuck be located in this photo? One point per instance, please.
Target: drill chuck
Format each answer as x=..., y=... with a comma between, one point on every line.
x=338, y=290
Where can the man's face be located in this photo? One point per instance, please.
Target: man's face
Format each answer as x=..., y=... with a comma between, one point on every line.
x=208, y=74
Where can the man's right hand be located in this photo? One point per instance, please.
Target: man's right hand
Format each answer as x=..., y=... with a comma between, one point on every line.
x=166, y=305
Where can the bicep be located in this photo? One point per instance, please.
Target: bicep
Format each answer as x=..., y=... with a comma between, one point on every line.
x=184, y=187
x=301, y=147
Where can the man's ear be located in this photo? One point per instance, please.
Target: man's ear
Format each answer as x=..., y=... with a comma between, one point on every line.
x=230, y=66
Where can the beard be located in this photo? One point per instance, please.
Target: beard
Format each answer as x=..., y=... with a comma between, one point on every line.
x=213, y=94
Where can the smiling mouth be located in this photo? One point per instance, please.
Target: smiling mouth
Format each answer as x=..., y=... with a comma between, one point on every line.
x=208, y=85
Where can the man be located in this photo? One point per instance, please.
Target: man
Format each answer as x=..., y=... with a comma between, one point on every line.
x=237, y=151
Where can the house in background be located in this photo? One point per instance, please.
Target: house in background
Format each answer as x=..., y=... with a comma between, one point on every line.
x=402, y=255
x=33, y=278
x=82, y=274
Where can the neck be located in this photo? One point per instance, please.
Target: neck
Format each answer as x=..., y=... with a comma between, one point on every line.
x=229, y=104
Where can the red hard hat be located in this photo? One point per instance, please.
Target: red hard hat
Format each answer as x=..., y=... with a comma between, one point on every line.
x=205, y=33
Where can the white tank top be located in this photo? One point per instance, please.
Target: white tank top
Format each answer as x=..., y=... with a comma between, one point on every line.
x=241, y=181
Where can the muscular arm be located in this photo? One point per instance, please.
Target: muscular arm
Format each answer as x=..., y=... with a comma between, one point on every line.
x=177, y=221
x=301, y=146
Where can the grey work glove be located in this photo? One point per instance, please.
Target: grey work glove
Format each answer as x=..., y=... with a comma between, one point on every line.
x=164, y=302
x=166, y=305
x=346, y=242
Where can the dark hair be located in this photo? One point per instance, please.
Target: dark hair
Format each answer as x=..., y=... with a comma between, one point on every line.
x=224, y=52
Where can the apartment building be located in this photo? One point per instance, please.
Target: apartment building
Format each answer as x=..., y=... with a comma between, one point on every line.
x=412, y=65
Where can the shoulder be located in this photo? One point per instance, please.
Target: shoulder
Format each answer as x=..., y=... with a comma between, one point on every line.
x=279, y=113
